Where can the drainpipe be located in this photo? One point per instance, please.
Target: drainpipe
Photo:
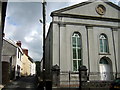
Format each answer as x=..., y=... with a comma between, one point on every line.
x=114, y=53
x=59, y=43
x=44, y=29
x=88, y=52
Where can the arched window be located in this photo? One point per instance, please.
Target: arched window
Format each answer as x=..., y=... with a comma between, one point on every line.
x=104, y=61
x=77, y=51
x=103, y=43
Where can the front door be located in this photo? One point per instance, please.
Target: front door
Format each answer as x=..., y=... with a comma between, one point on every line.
x=105, y=70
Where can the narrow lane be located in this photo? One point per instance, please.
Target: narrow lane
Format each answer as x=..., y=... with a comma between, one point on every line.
x=23, y=83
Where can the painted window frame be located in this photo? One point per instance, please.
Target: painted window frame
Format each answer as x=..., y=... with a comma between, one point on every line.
x=76, y=51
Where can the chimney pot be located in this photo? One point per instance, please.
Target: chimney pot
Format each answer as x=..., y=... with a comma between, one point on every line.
x=19, y=43
x=25, y=51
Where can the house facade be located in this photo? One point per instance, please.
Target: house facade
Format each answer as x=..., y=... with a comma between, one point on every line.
x=84, y=34
x=26, y=63
x=15, y=61
x=24, y=66
x=28, y=66
x=33, y=68
x=11, y=60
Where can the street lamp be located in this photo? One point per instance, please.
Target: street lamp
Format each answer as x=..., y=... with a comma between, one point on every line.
x=44, y=24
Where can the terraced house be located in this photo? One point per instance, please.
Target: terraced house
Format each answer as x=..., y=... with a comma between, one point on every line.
x=84, y=34
x=11, y=60
x=15, y=61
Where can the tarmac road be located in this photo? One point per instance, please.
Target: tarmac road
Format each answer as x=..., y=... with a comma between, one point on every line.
x=31, y=83
x=23, y=83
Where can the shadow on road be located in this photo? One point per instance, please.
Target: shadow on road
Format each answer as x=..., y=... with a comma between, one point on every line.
x=24, y=83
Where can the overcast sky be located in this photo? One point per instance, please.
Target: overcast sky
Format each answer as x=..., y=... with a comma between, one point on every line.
x=22, y=23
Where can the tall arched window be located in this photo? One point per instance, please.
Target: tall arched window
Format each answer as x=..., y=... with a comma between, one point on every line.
x=77, y=50
x=103, y=61
x=103, y=43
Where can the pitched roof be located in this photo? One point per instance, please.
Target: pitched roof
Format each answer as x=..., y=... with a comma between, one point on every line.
x=30, y=59
x=13, y=44
x=10, y=42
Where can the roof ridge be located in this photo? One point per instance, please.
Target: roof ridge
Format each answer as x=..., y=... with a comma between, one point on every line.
x=10, y=41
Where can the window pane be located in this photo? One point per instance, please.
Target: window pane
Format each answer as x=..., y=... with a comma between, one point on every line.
x=79, y=53
x=74, y=65
x=101, y=45
x=79, y=63
x=101, y=42
x=76, y=47
x=74, y=41
x=105, y=46
x=104, y=61
x=74, y=54
x=78, y=42
x=101, y=48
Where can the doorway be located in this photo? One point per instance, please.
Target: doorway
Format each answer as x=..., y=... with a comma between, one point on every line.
x=105, y=66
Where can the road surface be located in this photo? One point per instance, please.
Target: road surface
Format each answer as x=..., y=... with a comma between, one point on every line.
x=23, y=83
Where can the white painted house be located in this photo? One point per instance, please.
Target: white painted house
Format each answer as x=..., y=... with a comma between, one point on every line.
x=33, y=68
x=12, y=53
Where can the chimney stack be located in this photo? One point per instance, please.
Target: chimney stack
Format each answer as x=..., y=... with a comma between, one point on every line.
x=19, y=43
x=25, y=51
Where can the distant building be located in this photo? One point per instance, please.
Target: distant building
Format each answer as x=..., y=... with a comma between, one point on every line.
x=25, y=66
x=26, y=63
x=28, y=66
x=32, y=65
x=84, y=34
x=41, y=65
x=33, y=68
x=15, y=61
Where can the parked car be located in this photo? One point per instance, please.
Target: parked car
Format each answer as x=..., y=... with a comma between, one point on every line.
x=115, y=85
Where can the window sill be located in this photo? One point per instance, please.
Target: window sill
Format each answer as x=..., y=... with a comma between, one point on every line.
x=75, y=72
x=104, y=54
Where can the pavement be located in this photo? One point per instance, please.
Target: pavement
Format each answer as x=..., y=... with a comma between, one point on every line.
x=61, y=88
x=23, y=83
x=31, y=83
